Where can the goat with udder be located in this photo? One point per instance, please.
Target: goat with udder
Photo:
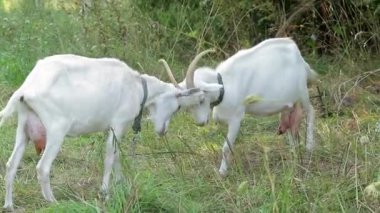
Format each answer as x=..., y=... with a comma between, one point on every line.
x=268, y=78
x=74, y=95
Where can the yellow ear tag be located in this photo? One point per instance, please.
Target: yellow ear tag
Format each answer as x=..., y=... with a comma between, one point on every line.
x=252, y=99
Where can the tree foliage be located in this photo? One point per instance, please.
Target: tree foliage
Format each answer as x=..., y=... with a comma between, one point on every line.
x=137, y=30
x=232, y=25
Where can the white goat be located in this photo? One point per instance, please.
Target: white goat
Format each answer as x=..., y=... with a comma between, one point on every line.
x=268, y=78
x=74, y=95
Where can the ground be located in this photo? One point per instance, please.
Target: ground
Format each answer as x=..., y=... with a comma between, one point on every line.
x=178, y=172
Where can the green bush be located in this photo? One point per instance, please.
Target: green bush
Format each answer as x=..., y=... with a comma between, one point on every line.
x=142, y=31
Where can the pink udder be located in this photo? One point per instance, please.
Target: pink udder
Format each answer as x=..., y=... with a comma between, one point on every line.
x=36, y=132
x=290, y=120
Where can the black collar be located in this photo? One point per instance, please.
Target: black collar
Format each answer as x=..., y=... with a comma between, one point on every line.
x=221, y=92
x=137, y=122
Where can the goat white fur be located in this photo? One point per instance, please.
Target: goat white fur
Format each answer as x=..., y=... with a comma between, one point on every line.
x=273, y=71
x=74, y=95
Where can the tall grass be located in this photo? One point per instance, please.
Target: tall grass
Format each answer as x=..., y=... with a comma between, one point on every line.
x=177, y=173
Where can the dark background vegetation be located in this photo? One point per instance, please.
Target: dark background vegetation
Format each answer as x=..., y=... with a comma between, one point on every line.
x=177, y=30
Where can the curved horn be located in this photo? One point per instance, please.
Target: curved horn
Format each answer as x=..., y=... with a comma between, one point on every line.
x=191, y=69
x=169, y=72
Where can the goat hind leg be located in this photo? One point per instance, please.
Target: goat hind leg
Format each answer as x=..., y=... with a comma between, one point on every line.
x=54, y=142
x=310, y=128
x=306, y=104
x=14, y=161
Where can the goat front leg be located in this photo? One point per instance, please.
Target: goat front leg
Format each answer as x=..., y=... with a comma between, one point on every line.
x=233, y=130
x=54, y=141
x=13, y=162
x=111, y=159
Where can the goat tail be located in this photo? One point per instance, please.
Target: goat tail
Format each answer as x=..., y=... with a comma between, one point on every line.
x=11, y=106
x=311, y=74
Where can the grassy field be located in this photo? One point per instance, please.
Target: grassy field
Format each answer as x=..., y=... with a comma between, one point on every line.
x=178, y=172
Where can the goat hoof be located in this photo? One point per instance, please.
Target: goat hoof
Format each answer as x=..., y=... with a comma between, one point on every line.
x=103, y=195
x=120, y=179
x=223, y=172
x=51, y=200
x=8, y=207
x=309, y=148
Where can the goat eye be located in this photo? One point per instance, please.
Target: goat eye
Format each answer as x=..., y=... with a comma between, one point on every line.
x=201, y=102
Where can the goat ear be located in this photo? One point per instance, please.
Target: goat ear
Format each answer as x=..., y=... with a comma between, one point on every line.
x=187, y=92
x=210, y=87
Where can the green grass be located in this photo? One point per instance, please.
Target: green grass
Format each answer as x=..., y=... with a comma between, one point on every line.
x=178, y=173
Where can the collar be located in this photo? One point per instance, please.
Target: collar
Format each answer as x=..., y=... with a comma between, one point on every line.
x=137, y=122
x=221, y=92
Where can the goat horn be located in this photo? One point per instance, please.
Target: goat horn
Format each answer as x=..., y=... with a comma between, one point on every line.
x=191, y=69
x=169, y=72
